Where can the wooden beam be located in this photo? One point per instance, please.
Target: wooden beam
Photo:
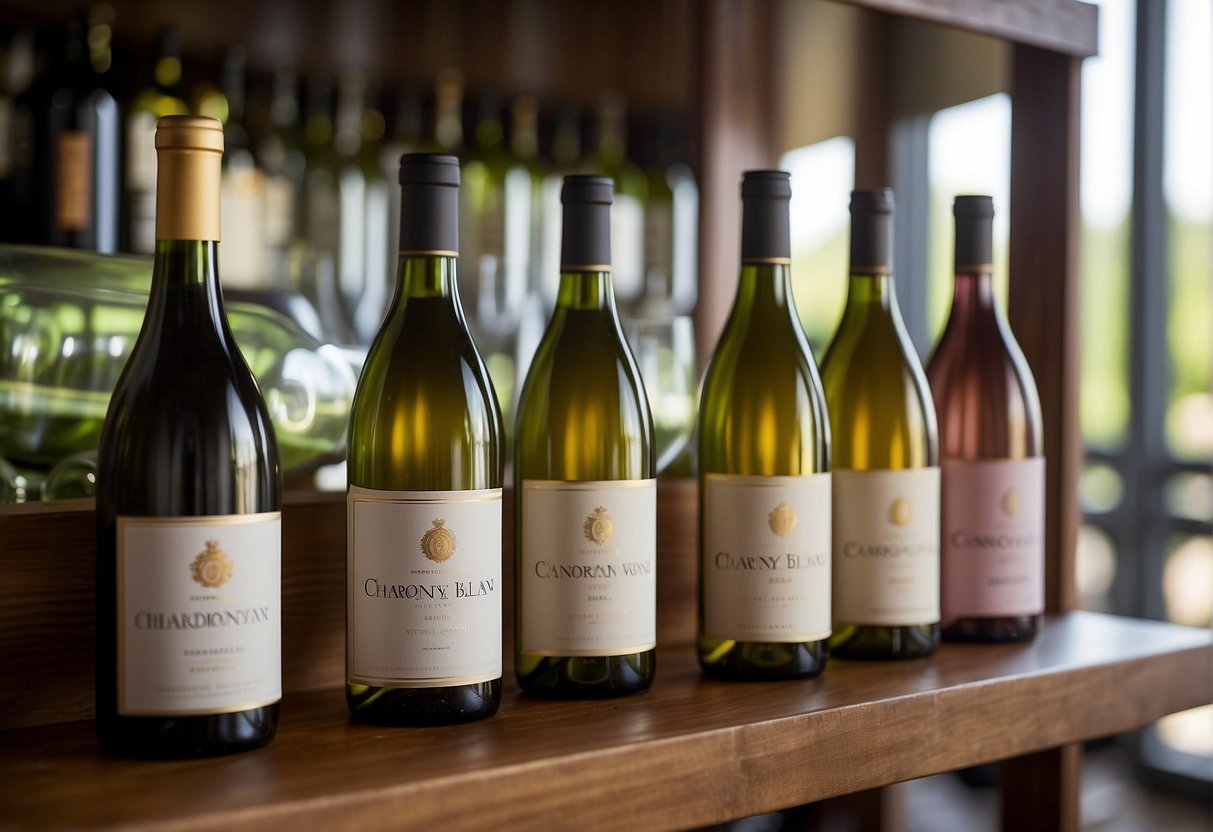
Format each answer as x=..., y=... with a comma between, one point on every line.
x=1063, y=26
x=1040, y=791
x=1045, y=241
x=737, y=131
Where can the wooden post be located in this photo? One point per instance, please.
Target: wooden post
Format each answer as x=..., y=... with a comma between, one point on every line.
x=1041, y=791
x=737, y=126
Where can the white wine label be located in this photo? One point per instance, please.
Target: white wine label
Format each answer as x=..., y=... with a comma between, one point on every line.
x=199, y=614
x=993, y=538
x=766, y=558
x=886, y=547
x=588, y=567
x=424, y=587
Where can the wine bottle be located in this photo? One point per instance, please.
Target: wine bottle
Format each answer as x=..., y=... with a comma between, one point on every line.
x=764, y=482
x=162, y=96
x=74, y=152
x=188, y=505
x=632, y=194
x=424, y=609
x=885, y=460
x=992, y=516
x=243, y=184
x=585, y=486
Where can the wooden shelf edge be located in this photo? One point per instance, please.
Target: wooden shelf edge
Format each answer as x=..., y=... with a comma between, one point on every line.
x=1067, y=26
x=689, y=752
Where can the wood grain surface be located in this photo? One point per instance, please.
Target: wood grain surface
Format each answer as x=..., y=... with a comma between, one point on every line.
x=688, y=752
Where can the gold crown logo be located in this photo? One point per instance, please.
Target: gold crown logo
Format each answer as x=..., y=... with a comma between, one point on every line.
x=439, y=543
x=212, y=567
x=1010, y=502
x=599, y=527
x=782, y=520
x=901, y=512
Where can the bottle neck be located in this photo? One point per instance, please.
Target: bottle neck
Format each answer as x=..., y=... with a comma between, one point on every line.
x=872, y=290
x=185, y=279
x=425, y=276
x=974, y=290
x=765, y=286
x=586, y=292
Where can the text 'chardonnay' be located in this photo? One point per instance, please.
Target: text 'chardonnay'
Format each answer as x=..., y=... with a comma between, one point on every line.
x=188, y=514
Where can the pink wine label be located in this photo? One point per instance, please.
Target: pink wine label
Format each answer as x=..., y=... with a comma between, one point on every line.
x=993, y=538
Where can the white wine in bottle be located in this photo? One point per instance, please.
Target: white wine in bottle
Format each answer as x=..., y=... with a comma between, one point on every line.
x=586, y=493
x=886, y=460
x=764, y=482
x=424, y=522
x=188, y=513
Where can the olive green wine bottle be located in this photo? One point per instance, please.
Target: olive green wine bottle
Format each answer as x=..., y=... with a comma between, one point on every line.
x=189, y=523
x=764, y=460
x=886, y=458
x=423, y=622
x=586, y=496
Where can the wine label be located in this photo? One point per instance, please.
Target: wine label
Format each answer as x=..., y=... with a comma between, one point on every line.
x=886, y=547
x=993, y=522
x=588, y=567
x=766, y=558
x=424, y=587
x=73, y=181
x=199, y=614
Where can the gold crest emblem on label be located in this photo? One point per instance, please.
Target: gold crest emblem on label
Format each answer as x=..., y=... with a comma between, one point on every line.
x=599, y=527
x=439, y=543
x=1010, y=502
x=782, y=519
x=901, y=512
x=212, y=567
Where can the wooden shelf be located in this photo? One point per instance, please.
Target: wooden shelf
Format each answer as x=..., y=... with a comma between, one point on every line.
x=689, y=752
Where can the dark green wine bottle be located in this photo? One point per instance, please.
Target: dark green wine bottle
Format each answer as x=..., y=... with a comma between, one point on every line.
x=764, y=460
x=586, y=496
x=424, y=606
x=188, y=507
x=886, y=460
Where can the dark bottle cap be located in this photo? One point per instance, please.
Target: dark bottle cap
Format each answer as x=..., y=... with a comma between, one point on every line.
x=429, y=205
x=974, y=233
x=872, y=231
x=765, y=236
x=585, y=240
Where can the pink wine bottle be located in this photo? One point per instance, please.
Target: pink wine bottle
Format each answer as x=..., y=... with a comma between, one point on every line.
x=992, y=507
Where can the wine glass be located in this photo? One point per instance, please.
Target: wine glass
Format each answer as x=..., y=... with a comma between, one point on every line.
x=665, y=353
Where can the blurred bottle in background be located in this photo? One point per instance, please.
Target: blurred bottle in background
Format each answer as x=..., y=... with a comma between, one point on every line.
x=161, y=95
x=284, y=162
x=66, y=139
x=631, y=195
